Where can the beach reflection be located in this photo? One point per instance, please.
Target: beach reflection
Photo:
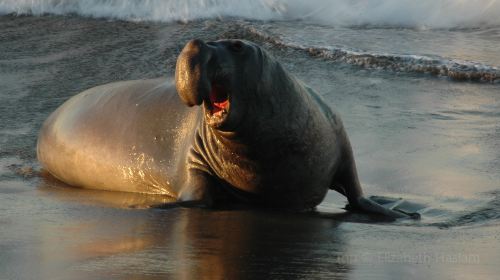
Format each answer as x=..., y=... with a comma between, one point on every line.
x=187, y=243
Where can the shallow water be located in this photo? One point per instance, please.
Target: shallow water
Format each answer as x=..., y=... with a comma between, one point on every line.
x=54, y=234
x=424, y=137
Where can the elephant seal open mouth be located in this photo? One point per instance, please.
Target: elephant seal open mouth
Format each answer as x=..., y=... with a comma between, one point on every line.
x=206, y=74
x=250, y=132
x=218, y=104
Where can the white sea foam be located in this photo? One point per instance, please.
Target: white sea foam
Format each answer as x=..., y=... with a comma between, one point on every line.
x=406, y=13
x=145, y=10
x=459, y=70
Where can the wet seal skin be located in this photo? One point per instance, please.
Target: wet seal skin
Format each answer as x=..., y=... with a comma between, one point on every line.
x=235, y=127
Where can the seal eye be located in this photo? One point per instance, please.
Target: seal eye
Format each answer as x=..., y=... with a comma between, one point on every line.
x=236, y=46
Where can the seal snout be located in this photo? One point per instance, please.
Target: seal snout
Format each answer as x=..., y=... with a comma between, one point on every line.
x=191, y=72
x=198, y=79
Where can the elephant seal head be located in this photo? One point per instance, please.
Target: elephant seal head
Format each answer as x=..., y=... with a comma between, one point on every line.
x=229, y=78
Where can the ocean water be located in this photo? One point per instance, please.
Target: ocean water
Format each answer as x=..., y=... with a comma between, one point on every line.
x=417, y=84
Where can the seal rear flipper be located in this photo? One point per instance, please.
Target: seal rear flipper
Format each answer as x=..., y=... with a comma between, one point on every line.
x=384, y=206
x=409, y=208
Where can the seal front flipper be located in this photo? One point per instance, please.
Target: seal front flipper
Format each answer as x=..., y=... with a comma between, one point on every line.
x=196, y=192
x=197, y=188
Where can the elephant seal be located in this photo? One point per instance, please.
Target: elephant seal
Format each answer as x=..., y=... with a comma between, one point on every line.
x=259, y=135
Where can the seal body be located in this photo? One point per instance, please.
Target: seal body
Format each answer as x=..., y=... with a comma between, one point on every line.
x=127, y=136
x=258, y=134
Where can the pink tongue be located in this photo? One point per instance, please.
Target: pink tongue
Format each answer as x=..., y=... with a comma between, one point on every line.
x=218, y=105
x=221, y=105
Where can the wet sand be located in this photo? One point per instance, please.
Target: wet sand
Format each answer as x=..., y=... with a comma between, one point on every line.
x=64, y=233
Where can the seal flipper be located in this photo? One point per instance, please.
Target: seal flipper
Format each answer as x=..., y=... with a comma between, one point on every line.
x=366, y=204
x=404, y=206
x=196, y=192
x=199, y=187
x=346, y=182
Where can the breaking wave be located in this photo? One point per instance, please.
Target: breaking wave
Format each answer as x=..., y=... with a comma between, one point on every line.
x=145, y=10
x=451, y=68
x=399, y=13
x=405, y=13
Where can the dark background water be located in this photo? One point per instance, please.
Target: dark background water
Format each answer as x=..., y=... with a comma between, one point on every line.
x=427, y=139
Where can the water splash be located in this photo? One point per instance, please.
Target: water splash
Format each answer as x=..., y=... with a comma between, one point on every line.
x=485, y=214
x=146, y=10
x=395, y=13
x=400, y=13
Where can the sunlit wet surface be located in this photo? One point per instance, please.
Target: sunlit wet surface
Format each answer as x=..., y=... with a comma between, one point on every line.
x=47, y=234
x=428, y=140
